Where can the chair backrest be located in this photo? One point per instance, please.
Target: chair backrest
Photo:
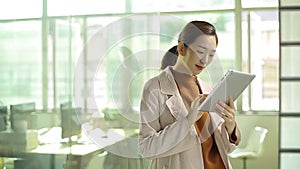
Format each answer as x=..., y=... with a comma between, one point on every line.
x=255, y=139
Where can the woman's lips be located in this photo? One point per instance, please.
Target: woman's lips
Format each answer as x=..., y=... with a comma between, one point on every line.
x=200, y=67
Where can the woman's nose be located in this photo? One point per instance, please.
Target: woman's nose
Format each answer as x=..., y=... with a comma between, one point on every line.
x=204, y=60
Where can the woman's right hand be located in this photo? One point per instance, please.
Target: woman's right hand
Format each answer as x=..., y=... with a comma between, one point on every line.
x=194, y=114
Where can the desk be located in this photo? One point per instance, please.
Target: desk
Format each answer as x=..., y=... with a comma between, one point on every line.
x=77, y=155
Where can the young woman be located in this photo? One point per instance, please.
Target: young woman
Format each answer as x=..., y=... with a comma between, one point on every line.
x=173, y=133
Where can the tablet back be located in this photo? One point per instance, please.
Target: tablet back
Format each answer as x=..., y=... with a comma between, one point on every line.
x=233, y=83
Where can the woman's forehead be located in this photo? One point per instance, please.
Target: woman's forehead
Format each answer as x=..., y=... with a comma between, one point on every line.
x=207, y=42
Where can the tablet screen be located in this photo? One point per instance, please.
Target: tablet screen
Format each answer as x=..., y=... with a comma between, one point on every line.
x=233, y=83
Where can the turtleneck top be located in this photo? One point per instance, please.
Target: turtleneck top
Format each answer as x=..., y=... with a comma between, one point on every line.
x=189, y=89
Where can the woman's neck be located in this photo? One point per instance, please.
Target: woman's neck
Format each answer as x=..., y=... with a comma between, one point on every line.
x=181, y=67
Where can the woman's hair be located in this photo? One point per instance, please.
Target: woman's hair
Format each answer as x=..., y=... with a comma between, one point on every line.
x=195, y=29
x=170, y=58
x=190, y=32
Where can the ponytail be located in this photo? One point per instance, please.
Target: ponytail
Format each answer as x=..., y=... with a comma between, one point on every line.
x=170, y=58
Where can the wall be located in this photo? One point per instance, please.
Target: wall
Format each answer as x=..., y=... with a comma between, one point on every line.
x=269, y=157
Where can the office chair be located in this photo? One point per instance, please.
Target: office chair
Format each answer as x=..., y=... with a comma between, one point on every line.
x=253, y=147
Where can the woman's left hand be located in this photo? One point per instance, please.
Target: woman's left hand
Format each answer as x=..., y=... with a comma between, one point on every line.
x=227, y=112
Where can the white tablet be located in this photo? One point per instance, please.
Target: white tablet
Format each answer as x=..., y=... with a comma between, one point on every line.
x=233, y=83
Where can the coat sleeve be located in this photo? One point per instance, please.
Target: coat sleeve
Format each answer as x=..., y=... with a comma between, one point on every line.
x=155, y=141
x=229, y=143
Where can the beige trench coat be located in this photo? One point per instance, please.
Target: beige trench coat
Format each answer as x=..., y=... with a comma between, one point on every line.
x=166, y=138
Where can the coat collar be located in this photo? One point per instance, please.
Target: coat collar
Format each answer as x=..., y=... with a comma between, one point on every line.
x=169, y=87
x=167, y=82
x=174, y=101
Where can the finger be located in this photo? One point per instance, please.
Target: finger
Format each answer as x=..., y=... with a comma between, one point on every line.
x=219, y=109
x=230, y=102
x=224, y=105
x=197, y=101
x=229, y=109
x=225, y=113
x=229, y=114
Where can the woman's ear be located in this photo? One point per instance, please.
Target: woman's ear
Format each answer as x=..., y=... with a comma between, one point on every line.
x=181, y=48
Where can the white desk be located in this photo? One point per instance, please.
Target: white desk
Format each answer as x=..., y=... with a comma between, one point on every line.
x=78, y=154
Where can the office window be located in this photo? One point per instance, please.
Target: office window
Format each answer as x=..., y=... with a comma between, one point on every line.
x=18, y=9
x=290, y=30
x=68, y=37
x=289, y=150
x=64, y=47
x=289, y=97
x=290, y=161
x=84, y=7
x=289, y=2
x=97, y=69
x=125, y=48
x=99, y=54
x=290, y=131
x=178, y=5
x=259, y=3
x=289, y=62
x=21, y=62
x=260, y=56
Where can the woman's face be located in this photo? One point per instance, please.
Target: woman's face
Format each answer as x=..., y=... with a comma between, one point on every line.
x=200, y=53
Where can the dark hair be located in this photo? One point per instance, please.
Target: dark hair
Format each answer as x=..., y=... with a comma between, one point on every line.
x=188, y=35
x=170, y=58
x=194, y=29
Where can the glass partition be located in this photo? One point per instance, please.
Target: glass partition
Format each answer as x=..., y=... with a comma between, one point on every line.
x=178, y=5
x=260, y=56
x=289, y=62
x=16, y=9
x=290, y=161
x=84, y=7
x=289, y=2
x=66, y=47
x=289, y=28
x=259, y=3
x=21, y=62
x=290, y=135
x=289, y=97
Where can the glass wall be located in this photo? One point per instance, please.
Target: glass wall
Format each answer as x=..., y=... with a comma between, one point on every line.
x=260, y=38
x=20, y=63
x=16, y=9
x=177, y=5
x=289, y=114
x=98, y=54
x=68, y=37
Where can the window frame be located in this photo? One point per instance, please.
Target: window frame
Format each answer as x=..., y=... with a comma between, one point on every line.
x=237, y=11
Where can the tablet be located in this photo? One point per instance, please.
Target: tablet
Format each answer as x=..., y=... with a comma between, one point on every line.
x=233, y=83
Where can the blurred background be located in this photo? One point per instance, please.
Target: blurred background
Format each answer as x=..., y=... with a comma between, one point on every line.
x=98, y=54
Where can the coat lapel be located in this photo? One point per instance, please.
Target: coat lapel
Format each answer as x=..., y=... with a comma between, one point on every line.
x=169, y=88
x=174, y=101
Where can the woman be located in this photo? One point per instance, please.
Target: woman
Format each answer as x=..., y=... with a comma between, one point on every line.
x=173, y=133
